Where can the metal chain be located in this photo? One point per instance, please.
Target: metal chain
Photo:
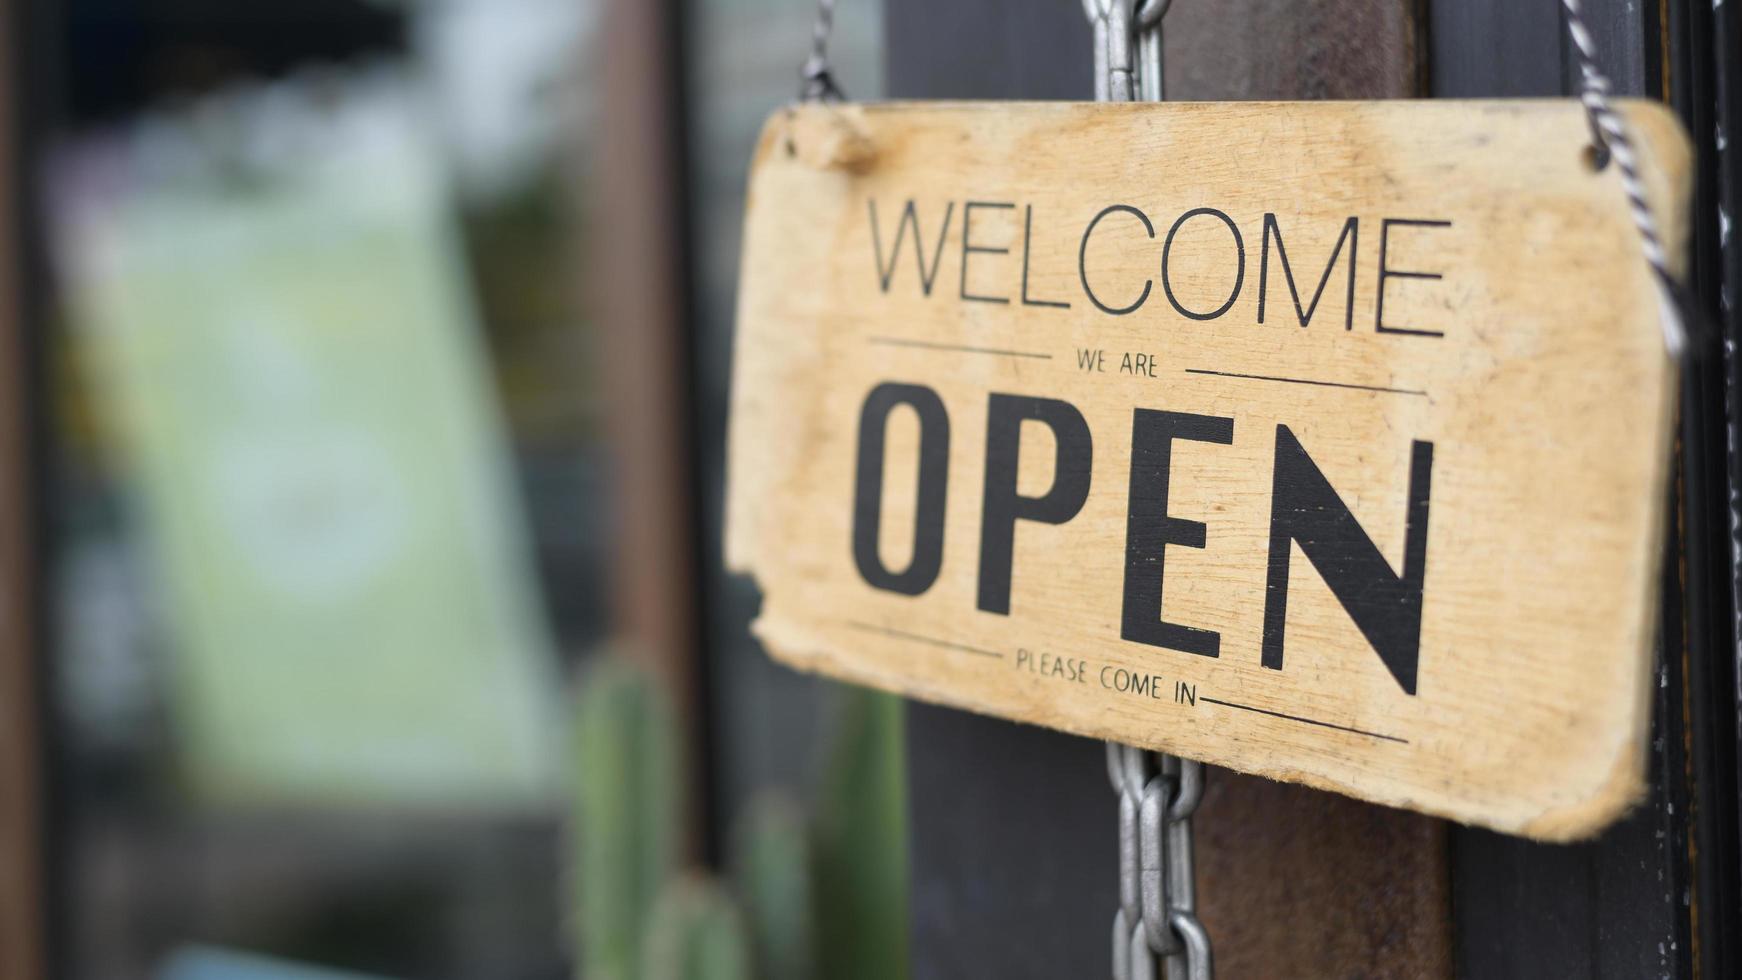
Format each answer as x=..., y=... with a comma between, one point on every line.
x=1157, y=916
x=816, y=76
x=1127, y=49
x=1610, y=141
x=1158, y=793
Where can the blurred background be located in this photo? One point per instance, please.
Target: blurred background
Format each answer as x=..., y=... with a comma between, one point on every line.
x=363, y=373
x=386, y=375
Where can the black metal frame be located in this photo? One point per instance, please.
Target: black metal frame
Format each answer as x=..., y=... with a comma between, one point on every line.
x=1702, y=70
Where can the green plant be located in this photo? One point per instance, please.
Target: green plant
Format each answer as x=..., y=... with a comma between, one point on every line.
x=823, y=897
x=626, y=807
x=772, y=869
x=696, y=933
x=861, y=842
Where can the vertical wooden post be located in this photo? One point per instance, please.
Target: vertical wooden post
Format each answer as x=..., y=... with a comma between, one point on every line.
x=1014, y=859
x=21, y=852
x=635, y=278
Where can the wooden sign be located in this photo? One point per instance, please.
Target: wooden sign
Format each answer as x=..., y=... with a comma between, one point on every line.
x=1325, y=441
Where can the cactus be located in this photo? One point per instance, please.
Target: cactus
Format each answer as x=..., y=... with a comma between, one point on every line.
x=627, y=809
x=772, y=870
x=824, y=900
x=861, y=843
x=696, y=933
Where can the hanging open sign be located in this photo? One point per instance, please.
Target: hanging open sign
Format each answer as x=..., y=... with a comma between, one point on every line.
x=1325, y=441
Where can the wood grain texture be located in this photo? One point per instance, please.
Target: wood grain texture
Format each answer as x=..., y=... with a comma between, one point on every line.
x=1336, y=871
x=1536, y=629
x=1367, y=887
x=1292, y=49
x=965, y=912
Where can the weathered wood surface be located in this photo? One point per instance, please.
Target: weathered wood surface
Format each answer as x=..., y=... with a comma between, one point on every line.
x=1298, y=883
x=1457, y=429
x=1292, y=49
x=963, y=920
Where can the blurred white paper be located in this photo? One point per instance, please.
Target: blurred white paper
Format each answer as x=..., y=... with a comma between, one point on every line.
x=281, y=336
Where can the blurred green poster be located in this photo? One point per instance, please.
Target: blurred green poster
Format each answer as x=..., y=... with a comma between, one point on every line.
x=281, y=339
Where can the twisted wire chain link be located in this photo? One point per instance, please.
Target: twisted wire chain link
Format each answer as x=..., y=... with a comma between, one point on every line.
x=816, y=76
x=1611, y=142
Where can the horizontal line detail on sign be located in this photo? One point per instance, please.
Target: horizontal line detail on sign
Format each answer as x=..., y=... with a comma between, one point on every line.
x=1309, y=381
x=959, y=348
x=930, y=640
x=1304, y=721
